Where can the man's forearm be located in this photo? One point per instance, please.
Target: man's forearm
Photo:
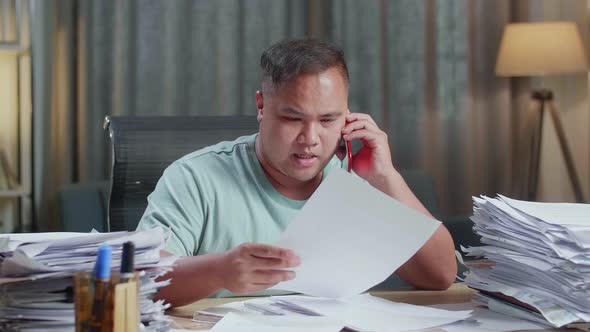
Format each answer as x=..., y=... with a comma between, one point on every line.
x=434, y=265
x=193, y=278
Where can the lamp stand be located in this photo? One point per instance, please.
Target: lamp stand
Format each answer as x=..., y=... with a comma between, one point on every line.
x=544, y=98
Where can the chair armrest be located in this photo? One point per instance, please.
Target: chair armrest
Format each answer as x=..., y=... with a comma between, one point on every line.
x=461, y=229
x=83, y=206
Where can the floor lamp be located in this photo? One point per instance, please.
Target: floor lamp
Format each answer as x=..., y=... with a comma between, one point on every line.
x=541, y=49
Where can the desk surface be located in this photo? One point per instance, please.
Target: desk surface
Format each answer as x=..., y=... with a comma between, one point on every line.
x=458, y=293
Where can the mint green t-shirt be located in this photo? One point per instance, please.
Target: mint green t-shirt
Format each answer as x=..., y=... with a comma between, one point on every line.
x=217, y=198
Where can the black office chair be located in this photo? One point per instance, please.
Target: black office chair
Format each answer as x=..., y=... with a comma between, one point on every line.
x=142, y=147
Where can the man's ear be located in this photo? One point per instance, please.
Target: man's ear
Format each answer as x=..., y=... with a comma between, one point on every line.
x=259, y=104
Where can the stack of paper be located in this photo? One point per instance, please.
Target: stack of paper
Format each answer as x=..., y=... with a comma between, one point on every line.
x=36, y=275
x=542, y=259
x=358, y=313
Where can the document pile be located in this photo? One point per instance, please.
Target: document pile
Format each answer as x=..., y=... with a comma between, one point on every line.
x=357, y=313
x=542, y=259
x=36, y=276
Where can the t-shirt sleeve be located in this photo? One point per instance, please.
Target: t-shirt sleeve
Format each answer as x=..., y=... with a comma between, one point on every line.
x=176, y=203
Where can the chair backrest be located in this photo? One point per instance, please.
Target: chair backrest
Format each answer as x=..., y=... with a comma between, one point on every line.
x=142, y=147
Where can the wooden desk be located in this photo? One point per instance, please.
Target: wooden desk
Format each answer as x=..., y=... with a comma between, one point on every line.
x=458, y=293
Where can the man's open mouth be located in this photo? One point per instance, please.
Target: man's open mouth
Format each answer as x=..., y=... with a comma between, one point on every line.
x=305, y=155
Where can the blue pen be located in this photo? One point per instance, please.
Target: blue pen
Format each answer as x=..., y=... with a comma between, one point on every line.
x=102, y=275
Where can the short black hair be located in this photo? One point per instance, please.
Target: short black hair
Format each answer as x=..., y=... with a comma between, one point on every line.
x=287, y=59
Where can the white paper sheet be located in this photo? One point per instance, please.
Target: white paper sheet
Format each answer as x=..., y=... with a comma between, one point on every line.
x=484, y=319
x=350, y=237
x=234, y=322
x=398, y=308
x=554, y=213
x=366, y=313
x=358, y=313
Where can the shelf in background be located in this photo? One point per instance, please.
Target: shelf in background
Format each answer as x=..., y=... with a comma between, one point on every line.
x=10, y=49
x=13, y=193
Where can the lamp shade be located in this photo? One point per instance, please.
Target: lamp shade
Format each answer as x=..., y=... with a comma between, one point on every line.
x=544, y=48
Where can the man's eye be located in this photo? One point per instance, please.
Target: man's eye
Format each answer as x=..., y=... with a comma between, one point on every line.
x=288, y=118
x=327, y=120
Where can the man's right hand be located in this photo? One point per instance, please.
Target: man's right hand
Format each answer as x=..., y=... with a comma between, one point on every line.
x=252, y=267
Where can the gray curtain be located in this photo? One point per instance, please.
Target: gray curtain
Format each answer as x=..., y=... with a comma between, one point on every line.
x=425, y=71
x=55, y=97
x=422, y=69
x=152, y=57
x=139, y=57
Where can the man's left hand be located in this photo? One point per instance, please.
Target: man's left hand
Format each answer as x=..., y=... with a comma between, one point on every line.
x=373, y=161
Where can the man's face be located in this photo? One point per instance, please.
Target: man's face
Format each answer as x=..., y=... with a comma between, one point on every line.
x=300, y=125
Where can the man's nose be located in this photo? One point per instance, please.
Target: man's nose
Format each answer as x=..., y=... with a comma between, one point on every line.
x=308, y=135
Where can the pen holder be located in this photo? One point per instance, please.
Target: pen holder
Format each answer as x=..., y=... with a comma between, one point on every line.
x=112, y=306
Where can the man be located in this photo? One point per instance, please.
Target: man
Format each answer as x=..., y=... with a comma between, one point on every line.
x=226, y=204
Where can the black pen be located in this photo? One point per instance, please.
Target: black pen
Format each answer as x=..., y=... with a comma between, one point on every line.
x=126, y=272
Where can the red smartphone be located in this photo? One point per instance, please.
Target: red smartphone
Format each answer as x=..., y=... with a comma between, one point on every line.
x=344, y=151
